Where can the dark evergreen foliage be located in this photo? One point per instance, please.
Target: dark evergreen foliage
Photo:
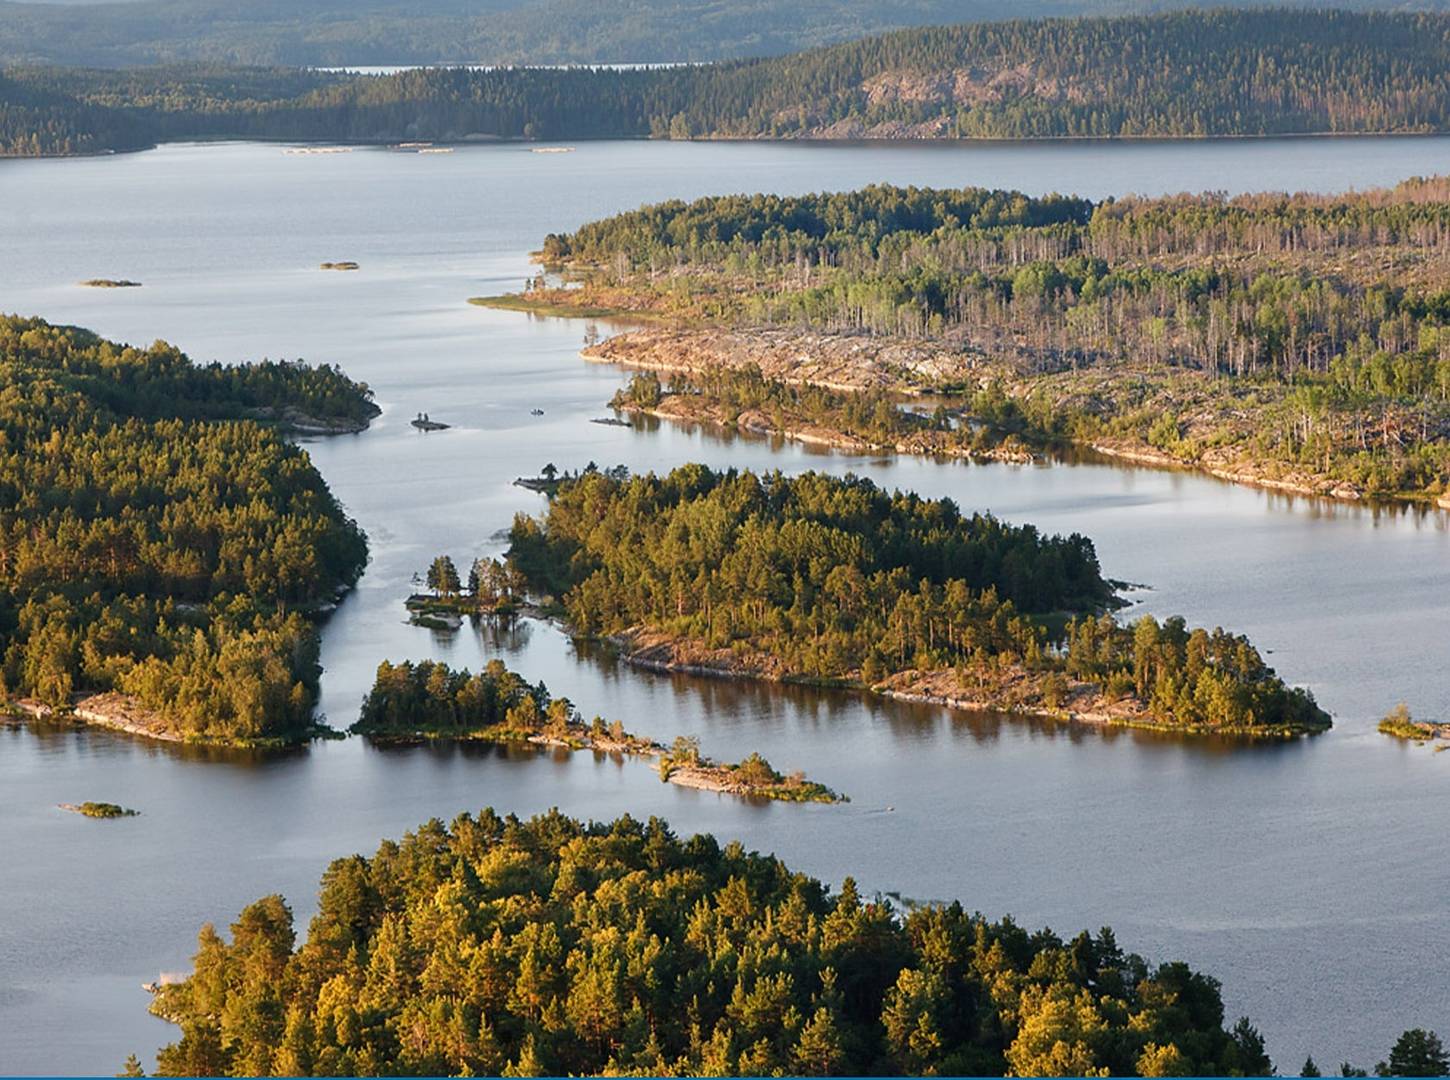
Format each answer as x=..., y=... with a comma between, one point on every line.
x=552, y=947
x=824, y=578
x=380, y=32
x=1223, y=72
x=154, y=542
x=430, y=698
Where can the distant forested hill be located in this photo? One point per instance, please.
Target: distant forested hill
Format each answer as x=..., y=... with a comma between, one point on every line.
x=1223, y=72
x=47, y=111
x=36, y=119
x=341, y=32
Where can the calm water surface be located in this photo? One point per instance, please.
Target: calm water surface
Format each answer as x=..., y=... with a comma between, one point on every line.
x=1309, y=877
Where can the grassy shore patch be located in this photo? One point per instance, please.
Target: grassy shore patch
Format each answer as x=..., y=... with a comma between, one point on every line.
x=100, y=809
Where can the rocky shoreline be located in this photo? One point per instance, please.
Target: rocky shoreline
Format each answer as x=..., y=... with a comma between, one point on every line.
x=1015, y=691
x=113, y=711
x=855, y=363
x=847, y=363
x=1295, y=484
x=296, y=422
x=702, y=776
x=693, y=409
x=699, y=773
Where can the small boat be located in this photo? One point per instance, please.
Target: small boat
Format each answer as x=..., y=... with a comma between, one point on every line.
x=422, y=423
x=536, y=412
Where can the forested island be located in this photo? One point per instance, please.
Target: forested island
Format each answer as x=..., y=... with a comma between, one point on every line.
x=493, y=588
x=836, y=582
x=1300, y=342
x=1399, y=723
x=554, y=947
x=164, y=550
x=743, y=399
x=429, y=700
x=1187, y=74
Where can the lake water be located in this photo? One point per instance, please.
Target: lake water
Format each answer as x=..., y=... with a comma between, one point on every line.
x=1309, y=877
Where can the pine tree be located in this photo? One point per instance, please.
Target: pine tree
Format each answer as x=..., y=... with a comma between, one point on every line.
x=818, y=1052
x=1417, y=1052
x=1253, y=1059
x=528, y=1063
x=443, y=576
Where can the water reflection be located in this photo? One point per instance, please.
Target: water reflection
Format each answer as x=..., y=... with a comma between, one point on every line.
x=504, y=635
x=58, y=737
x=1315, y=507
x=1303, y=875
x=815, y=711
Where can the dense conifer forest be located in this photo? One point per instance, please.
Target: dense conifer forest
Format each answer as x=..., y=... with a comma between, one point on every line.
x=431, y=699
x=409, y=702
x=1222, y=72
x=554, y=947
x=158, y=539
x=378, y=32
x=817, y=578
x=37, y=121
x=381, y=32
x=1309, y=332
